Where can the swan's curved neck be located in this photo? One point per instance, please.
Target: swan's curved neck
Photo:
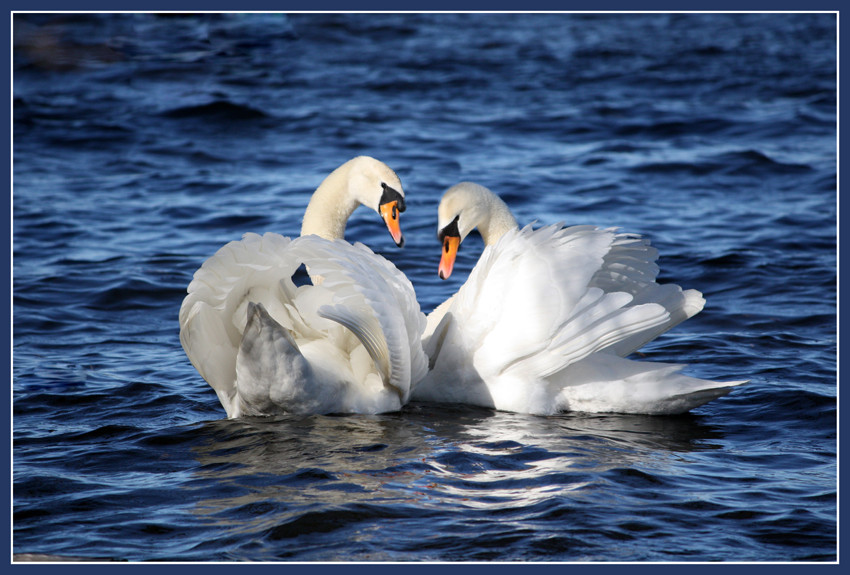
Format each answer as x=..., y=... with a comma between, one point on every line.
x=330, y=206
x=497, y=222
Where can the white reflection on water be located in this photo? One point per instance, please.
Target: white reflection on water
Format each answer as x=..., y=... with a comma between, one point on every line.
x=269, y=470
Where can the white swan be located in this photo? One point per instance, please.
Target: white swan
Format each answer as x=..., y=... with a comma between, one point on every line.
x=350, y=343
x=546, y=317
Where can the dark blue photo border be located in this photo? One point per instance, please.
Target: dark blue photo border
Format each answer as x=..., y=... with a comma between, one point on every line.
x=433, y=5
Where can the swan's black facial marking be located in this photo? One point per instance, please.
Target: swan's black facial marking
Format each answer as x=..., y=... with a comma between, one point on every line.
x=390, y=206
x=451, y=230
x=449, y=236
x=392, y=195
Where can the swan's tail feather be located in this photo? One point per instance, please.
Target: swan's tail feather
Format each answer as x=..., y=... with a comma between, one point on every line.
x=603, y=382
x=267, y=364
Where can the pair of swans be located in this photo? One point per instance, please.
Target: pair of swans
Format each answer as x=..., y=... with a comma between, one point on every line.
x=542, y=325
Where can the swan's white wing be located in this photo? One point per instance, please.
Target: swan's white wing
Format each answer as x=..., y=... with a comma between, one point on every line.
x=539, y=323
x=630, y=267
x=529, y=306
x=414, y=320
x=361, y=294
x=374, y=300
x=214, y=313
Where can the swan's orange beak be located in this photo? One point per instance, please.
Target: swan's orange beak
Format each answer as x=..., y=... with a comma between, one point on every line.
x=447, y=262
x=390, y=212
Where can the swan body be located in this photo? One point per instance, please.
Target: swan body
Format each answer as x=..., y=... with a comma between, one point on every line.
x=347, y=342
x=547, y=316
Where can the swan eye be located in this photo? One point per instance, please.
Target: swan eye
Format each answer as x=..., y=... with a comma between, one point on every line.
x=450, y=230
x=391, y=195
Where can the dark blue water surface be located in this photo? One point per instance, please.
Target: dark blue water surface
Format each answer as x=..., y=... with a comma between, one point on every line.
x=142, y=143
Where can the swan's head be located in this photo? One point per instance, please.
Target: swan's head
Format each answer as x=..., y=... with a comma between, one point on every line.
x=463, y=208
x=376, y=186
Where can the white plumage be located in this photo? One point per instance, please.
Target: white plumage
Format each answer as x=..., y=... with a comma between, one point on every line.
x=544, y=319
x=349, y=342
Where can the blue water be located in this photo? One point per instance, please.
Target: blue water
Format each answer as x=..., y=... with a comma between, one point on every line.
x=142, y=143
